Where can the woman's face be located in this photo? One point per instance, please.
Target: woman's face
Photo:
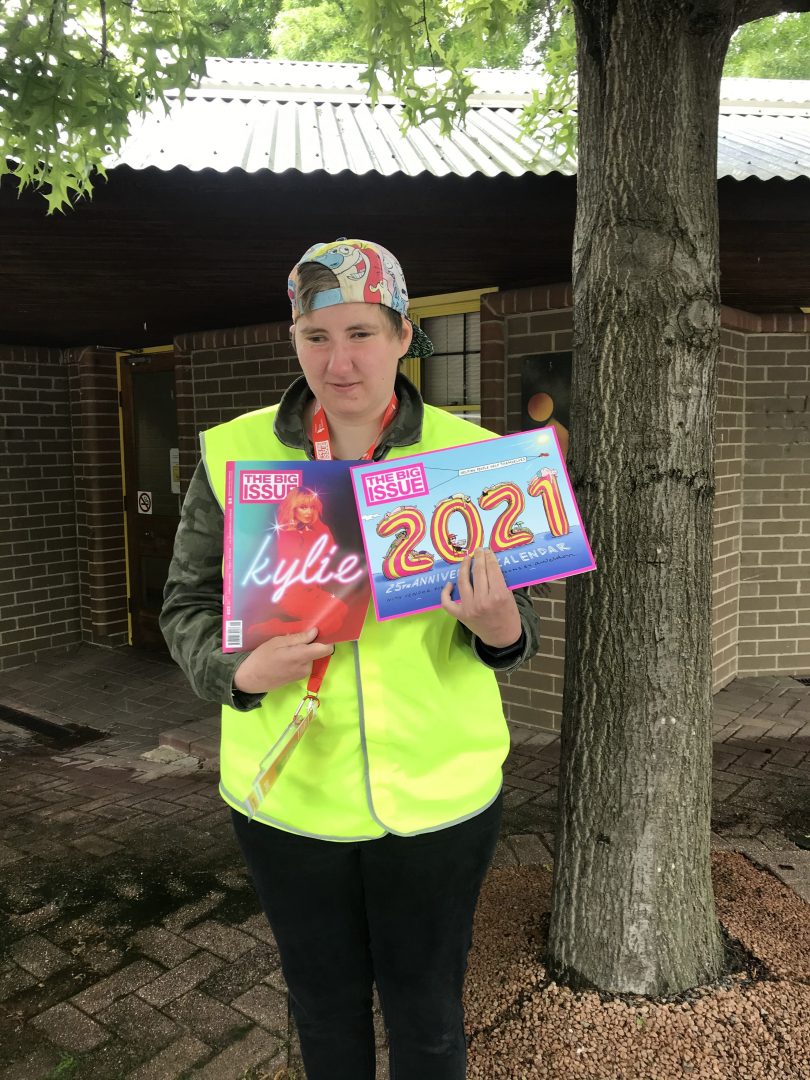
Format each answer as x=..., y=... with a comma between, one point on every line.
x=305, y=513
x=349, y=355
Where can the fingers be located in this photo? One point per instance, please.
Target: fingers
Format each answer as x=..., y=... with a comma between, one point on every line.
x=305, y=644
x=465, y=580
x=280, y=660
x=317, y=650
x=303, y=648
x=481, y=565
x=447, y=601
x=473, y=587
x=301, y=638
x=497, y=582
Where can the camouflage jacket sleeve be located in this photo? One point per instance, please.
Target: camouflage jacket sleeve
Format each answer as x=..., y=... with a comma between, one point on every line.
x=191, y=619
x=505, y=661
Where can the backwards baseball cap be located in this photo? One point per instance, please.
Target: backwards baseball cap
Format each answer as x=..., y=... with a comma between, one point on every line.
x=366, y=273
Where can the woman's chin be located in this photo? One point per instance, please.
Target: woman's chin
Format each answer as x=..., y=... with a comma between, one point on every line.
x=349, y=401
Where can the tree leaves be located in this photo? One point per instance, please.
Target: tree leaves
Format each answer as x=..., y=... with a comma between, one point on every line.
x=777, y=48
x=551, y=115
x=75, y=72
x=333, y=31
x=397, y=39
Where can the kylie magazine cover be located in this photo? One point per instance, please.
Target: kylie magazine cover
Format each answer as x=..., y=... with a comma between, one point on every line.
x=293, y=553
x=420, y=515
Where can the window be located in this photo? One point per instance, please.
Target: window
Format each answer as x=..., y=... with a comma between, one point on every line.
x=451, y=377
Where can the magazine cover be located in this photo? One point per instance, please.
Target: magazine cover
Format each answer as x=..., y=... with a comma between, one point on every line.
x=420, y=515
x=293, y=553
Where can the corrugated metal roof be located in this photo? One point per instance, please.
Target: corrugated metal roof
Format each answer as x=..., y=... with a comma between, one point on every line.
x=279, y=115
x=292, y=77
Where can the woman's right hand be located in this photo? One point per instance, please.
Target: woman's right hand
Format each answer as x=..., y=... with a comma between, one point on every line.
x=280, y=660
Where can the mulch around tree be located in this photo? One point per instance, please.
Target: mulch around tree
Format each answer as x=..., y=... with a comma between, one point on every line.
x=754, y=1025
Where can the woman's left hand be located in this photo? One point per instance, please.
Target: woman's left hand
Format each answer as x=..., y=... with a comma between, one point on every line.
x=486, y=606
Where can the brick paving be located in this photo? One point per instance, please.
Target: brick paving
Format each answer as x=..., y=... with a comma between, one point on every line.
x=131, y=947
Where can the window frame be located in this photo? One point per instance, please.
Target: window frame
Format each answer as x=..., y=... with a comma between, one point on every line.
x=429, y=307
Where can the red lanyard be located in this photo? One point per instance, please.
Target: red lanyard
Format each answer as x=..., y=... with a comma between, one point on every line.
x=322, y=444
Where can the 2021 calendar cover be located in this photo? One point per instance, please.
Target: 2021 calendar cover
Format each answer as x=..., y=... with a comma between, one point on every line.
x=293, y=553
x=420, y=515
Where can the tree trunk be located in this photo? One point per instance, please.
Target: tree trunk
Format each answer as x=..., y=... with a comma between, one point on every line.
x=633, y=908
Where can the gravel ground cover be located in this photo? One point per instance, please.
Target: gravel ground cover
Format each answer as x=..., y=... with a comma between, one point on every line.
x=754, y=1026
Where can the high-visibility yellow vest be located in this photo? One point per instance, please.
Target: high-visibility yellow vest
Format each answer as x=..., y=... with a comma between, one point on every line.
x=410, y=735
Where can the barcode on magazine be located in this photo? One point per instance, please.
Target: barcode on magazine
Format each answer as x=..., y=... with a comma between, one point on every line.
x=233, y=634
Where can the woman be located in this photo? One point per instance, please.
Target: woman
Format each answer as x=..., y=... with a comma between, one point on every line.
x=369, y=851
x=300, y=528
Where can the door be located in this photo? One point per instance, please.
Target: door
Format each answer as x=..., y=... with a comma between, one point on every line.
x=151, y=482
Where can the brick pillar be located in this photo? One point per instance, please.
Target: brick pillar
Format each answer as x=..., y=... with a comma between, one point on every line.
x=493, y=364
x=99, y=498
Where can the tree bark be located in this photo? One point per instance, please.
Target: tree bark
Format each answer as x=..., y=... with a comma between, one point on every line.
x=633, y=908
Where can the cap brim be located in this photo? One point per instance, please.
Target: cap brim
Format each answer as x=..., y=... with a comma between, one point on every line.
x=421, y=345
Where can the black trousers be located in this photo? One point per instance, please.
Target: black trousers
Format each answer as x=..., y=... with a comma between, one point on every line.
x=397, y=911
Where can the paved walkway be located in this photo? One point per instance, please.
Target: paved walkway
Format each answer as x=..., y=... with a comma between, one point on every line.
x=130, y=940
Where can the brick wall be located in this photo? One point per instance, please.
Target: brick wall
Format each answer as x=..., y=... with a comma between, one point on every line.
x=38, y=558
x=775, y=571
x=62, y=571
x=222, y=373
x=99, y=511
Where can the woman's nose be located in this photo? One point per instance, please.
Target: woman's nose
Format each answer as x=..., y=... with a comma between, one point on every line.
x=340, y=356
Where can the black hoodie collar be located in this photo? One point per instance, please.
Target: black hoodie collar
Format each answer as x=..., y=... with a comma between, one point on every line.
x=404, y=430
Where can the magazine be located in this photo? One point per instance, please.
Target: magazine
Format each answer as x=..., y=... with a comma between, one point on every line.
x=420, y=515
x=293, y=553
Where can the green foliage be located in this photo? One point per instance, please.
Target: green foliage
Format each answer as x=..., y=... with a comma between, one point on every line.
x=398, y=37
x=772, y=48
x=325, y=30
x=777, y=48
x=397, y=42
x=550, y=116
x=67, y=1067
x=72, y=73
x=333, y=30
x=237, y=28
